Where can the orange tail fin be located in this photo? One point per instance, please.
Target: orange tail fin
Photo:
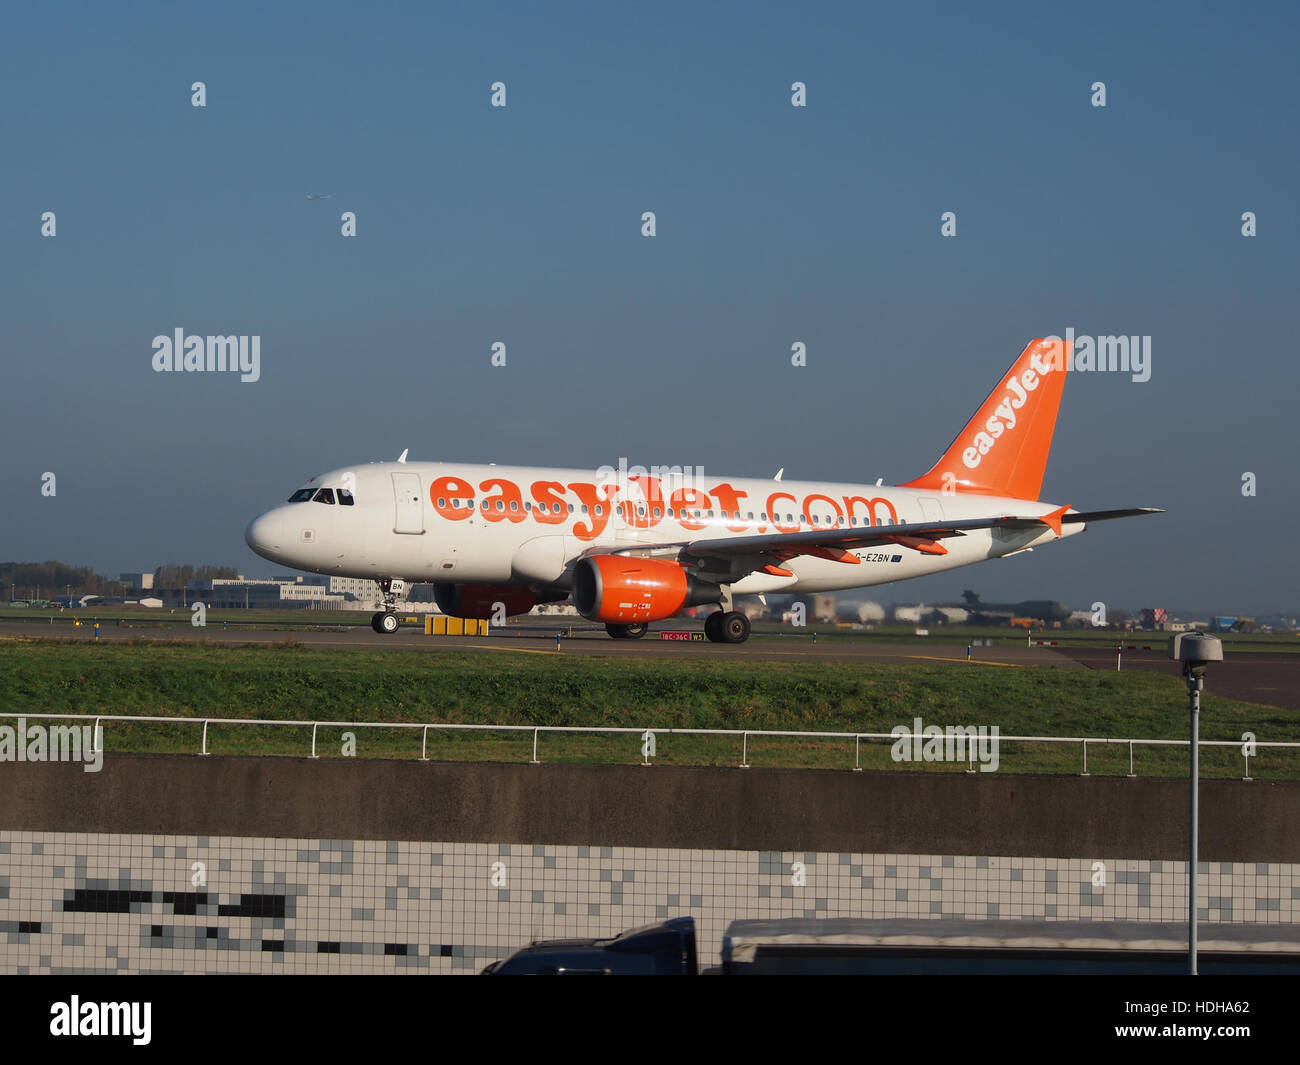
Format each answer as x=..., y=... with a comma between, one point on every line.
x=1003, y=449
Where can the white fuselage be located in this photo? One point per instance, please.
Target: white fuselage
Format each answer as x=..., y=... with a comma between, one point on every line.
x=454, y=522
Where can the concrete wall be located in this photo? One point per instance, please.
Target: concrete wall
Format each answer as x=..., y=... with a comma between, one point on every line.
x=660, y=806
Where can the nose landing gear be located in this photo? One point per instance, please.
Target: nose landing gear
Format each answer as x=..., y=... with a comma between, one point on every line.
x=385, y=622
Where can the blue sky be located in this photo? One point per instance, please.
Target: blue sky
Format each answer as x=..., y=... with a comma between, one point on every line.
x=775, y=224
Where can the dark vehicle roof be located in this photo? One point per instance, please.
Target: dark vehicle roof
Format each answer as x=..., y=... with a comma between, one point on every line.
x=666, y=947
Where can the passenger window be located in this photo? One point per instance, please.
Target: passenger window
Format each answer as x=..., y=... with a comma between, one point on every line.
x=657, y=514
x=514, y=504
x=345, y=498
x=442, y=502
x=325, y=495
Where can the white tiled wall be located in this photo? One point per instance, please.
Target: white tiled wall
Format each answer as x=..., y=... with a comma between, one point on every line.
x=433, y=907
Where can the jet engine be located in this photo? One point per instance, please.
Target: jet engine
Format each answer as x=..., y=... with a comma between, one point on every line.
x=618, y=589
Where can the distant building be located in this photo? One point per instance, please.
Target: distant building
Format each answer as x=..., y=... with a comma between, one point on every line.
x=822, y=607
x=73, y=600
x=137, y=581
x=306, y=591
x=869, y=613
x=1155, y=618
x=353, y=589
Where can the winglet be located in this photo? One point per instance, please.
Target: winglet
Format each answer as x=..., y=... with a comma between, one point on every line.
x=402, y=456
x=1053, y=520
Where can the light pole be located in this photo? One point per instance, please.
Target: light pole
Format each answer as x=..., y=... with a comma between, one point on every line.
x=1195, y=650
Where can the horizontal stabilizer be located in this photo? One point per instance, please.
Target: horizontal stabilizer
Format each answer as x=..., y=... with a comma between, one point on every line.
x=1106, y=515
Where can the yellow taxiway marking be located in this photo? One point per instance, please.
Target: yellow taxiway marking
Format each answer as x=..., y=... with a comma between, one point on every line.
x=971, y=661
x=516, y=650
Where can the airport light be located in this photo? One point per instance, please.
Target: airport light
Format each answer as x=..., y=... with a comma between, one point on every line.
x=1195, y=650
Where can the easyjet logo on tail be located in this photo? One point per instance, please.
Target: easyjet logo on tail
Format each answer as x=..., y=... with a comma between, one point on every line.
x=1003, y=449
x=1018, y=386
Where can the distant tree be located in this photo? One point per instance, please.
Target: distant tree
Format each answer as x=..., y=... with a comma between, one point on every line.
x=972, y=599
x=175, y=575
x=215, y=573
x=172, y=575
x=26, y=579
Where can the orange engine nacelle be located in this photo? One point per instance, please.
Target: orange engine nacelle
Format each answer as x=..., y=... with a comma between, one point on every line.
x=623, y=590
x=480, y=600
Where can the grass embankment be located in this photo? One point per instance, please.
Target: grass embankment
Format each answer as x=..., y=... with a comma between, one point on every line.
x=291, y=682
x=159, y=622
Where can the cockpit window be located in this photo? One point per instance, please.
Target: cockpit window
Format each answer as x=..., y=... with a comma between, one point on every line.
x=345, y=498
x=301, y=496
x=325, y=495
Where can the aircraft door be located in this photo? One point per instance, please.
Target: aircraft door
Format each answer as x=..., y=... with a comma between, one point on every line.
x=410, y=509
x=931, y=510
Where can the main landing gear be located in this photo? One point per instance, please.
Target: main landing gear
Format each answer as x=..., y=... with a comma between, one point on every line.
x=385, y=622
x=727, y=626
x=627, y=632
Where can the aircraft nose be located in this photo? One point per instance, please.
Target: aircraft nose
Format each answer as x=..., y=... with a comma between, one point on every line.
x=265, y=533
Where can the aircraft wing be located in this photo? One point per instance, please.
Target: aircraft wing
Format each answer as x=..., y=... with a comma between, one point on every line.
x=835, y=544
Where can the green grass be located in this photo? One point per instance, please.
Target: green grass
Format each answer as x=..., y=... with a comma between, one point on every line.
x=287, y=681
x=158, y=621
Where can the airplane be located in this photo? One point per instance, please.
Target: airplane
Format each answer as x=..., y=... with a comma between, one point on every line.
x=631, y=547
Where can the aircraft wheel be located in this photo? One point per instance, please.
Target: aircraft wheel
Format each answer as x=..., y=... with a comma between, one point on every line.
x=713, y=626
x=626, y=632
x=385, y=622
x=734, y=627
